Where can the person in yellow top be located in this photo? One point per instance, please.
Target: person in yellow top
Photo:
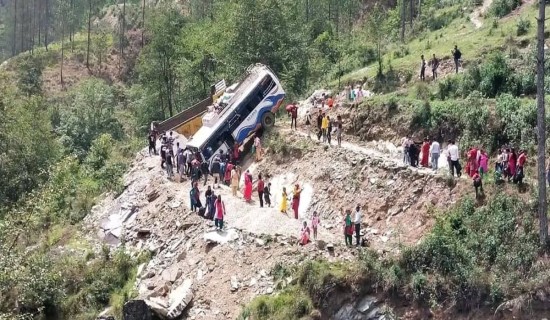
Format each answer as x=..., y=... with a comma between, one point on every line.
x=324, y=127
x=284, y=201
x=234, y=181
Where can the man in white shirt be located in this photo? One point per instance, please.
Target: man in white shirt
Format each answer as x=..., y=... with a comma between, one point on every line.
x=454, y=156
x=357, y=221
x=405, y=143
x=435, y=150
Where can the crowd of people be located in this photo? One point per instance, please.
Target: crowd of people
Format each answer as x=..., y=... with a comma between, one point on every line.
x=435, y=62
x=508, y=165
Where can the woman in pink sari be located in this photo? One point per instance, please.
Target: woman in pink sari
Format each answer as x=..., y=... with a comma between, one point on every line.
x=483, y=163
x=247, y=186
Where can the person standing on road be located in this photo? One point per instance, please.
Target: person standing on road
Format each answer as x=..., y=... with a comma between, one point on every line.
x=329, y=130
x=284, y=201
x=405, y=143
x=456, y=55
x=234, y=181
x=267, y=195
x=308, y=123
x=324, y=127
x=215, y=169
x=521, y=162
x=315, y=221
x=435, y=150
x=152, y=143
x=296, y=200
x=330, y=102
x=293, y=115
x=348, y=228
x=220, y=213
x=195, y=195
x=454, y=157
x=247, y=186
x=422, y=68
x=357, y=222
x=169, y=163
x=261, y=188
x=204, y=171
x=188, y=160
x=339, y=130
x=425, y=153
x=181, y=164
x=435, y=64
x=320, y=125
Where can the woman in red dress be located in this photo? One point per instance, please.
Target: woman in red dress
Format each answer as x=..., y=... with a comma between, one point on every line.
x=227, y=175
x=472, y=161
x=425, y=153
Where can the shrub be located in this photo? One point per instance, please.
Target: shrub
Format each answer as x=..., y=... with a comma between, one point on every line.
x=30, y=75
x=522, y=27
x=494, y=74
x=500, y=8
x=469, y=244
x=422, y=91
x=448, y=87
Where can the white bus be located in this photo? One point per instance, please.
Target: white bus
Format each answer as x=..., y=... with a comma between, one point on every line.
x=249, y=105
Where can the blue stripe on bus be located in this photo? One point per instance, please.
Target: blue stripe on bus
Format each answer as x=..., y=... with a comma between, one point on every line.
x=245, y=131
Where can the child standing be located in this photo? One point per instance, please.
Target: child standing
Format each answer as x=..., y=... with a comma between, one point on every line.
x=220, y=213
x=314, y=223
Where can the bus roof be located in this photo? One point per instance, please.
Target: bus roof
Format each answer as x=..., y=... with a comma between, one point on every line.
x=200, y=137
x=254, y=74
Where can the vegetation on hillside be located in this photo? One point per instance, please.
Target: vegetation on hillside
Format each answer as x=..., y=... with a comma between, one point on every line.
x=60, y=151
x=472, y=257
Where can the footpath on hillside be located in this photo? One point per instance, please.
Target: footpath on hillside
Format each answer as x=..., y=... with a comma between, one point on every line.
x=479, y=12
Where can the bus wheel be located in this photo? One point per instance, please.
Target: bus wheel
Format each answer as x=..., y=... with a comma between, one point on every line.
x=268, y=120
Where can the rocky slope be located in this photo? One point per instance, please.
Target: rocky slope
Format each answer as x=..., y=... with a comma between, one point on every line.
x=220, y=272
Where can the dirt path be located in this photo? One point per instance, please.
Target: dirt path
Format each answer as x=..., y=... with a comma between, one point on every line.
x=383, y=150
x=477, y=15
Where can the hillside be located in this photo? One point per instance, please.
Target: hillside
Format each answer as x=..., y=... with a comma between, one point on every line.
x=91, y=228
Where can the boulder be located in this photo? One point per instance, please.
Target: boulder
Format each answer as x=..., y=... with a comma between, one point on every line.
x=171, y=274
x=180, y=299
x=221, y=237
x=136, y=310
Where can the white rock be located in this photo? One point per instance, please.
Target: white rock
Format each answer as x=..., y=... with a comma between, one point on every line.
x=140, y=270
x=180, y=299
x=234, y=283
x=221, y=237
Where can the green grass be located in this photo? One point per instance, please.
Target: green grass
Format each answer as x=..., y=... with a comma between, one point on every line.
x=475, y=257
x=298, y=299
x=473, y=43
